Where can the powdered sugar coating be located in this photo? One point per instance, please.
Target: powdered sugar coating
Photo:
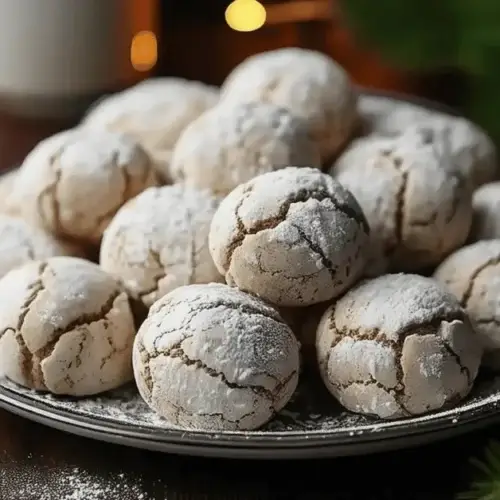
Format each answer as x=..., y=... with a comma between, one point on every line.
x=21, y=243
x=294, y=237
x=396, y=346
x=212, y=357
x=229, y=145
x=472, y=150
x=486, y=207
x=417, y=204
x=158, y=241
x=66, y=327
x=7, y=187
x=309, y=83
x=73, y=183
x=155, y=112
x=472, y=274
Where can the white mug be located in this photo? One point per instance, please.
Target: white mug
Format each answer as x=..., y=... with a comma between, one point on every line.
x=56, y=55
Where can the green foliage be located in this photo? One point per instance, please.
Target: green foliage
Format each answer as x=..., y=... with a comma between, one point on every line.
x=428, y=34
x=487, y=486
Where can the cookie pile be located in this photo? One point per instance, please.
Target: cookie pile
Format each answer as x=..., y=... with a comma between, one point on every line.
x=217, y=244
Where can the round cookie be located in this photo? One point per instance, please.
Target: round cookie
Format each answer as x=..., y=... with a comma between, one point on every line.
x=229, y=145
x=472, y=274
x=385, y=116
x=73, y=183
x=159, y=241
x=295, y=237
x=67, y=328
x=397, y=346
x=212, y=357
x=310, y=84
x=486, y=209
x=417, y=205
x=21, y=243
x=155, y=113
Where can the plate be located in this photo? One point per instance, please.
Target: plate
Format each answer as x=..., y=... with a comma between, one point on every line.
x=313, y=424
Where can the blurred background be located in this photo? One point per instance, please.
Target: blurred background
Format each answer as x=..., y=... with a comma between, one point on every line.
x=57, y=56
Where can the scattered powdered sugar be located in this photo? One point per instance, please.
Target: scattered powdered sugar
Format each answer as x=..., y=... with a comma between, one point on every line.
x=311, y=411
x=67, y=484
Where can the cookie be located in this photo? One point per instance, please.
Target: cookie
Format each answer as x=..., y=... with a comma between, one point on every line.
x=397, y=346
x=67, y=328
x=472, y=150
x=417, y=205
x=310, y=84
x=229, y=145
x=486, y=210
x=73, y=183
x=472, y=274
x=154, y=112
x=21, y=243
x=294, y=237
x=7, y=186
x=212, y=357
x=159, y=241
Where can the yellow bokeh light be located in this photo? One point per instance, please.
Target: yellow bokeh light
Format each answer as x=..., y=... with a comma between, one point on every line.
x=144, y=51
x=245, y=15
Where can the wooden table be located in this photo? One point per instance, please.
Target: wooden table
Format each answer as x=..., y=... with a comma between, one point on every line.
x=38, y=463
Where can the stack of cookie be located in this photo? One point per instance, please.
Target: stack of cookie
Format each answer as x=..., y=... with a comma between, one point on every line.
x=239, y=232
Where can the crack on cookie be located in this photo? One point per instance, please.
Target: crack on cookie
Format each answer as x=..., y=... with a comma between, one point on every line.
x=179, y=409
x=430, y=326
x=157, y=263
x=463, y=369
x=325, y=261
x=301, y=196
x=472, y=280
x=50, y=193
x=82, y=321
x=27, y=357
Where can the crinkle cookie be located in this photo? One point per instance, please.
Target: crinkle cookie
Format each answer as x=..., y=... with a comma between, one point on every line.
x=397, y=346
x=472, y=150
x=66, y=328
x=309, y=83
x=154, y=112
x=294, y=237
x=21, y=243
x=486, y=208
x=417, y=205
x=73, y=183
x=389, y=117
x=472, y=274
x=229, y=145
x=212, y=357
x=159, y=241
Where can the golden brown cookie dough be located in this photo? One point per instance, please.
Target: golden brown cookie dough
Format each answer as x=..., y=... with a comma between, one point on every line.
x=294, y=237
x=472, y=274
x=159, y=241
x=154, y=112
x=397, y=346
x=73, y=183
x=66, y=328
x=229, y=145
x=417, y=205
x=310, y=84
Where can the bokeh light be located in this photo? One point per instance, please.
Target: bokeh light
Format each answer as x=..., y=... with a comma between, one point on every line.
x=144, y=51
x=245, y=15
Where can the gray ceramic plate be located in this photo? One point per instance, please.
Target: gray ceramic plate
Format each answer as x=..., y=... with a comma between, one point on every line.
x=312, y=425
